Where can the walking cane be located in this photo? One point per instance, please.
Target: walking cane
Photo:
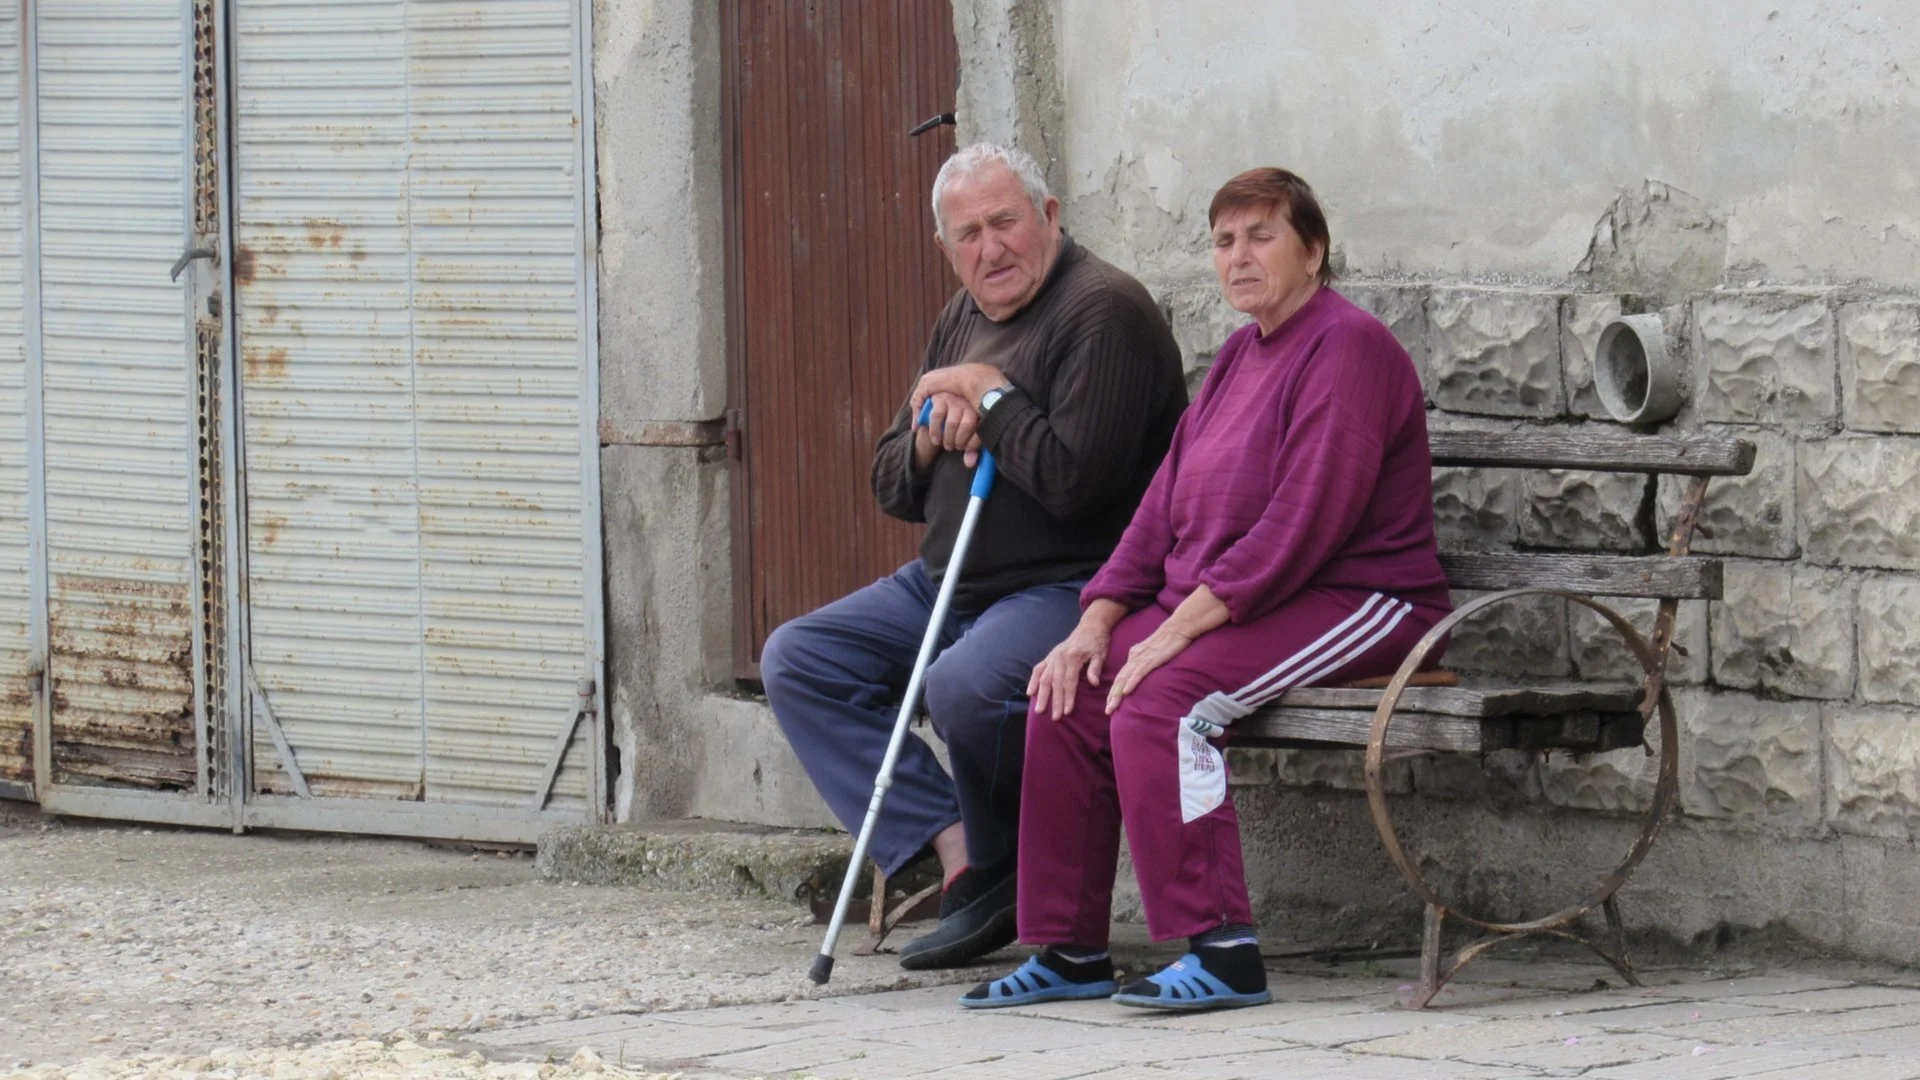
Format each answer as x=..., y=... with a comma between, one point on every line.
x=822, y=969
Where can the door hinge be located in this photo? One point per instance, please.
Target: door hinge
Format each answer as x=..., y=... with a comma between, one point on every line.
x=734, y=434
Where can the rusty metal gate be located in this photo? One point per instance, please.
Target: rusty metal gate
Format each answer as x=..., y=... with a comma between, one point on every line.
x=122, y=488
x=299, y=509
x=412, y=293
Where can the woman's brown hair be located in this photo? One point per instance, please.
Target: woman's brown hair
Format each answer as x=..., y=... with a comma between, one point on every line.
x=1267, y=188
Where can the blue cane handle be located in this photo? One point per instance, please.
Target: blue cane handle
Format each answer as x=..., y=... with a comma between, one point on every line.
x=982, y=474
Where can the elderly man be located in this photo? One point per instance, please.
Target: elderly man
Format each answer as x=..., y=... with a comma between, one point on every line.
x=1064, y=368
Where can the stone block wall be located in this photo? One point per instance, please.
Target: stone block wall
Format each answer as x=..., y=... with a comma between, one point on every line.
x=1799, y=692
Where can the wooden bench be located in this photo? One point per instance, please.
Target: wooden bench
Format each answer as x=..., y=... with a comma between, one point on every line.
x=1405, y=719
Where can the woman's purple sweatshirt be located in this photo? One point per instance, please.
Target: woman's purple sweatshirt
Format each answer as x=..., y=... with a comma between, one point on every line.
x=1304, y=462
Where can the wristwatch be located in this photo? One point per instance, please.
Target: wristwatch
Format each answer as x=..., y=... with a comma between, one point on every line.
x=988, y=399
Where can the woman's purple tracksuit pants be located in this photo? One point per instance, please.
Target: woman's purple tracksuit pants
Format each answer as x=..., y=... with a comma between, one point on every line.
x=1147, y=765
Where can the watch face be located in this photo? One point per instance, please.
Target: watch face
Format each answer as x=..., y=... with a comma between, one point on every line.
x=987, y=399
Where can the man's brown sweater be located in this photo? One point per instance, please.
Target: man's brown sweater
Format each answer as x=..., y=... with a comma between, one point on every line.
x=1097, y=391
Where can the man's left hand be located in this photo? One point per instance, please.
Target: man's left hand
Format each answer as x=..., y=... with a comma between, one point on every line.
x=968, y=381
x=1144, y=659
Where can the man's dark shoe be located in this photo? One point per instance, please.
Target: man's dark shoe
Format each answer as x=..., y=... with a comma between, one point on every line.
x=976, y=918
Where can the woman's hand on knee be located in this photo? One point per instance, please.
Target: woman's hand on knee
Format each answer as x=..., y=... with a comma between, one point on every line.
x=1144, y=659
x=1056, y=680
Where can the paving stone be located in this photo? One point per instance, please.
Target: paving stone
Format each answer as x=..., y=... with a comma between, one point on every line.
x=1880, y=365
x=1025, y=1066
x=1526, y=636
x=1808, y=1025
x=1755, y=514
x=1705, y=1061
x=1476, y=509
x=1008, y=1034
x=1582, y=1052
x=1834, y=998
x=1895, y=1041
x=1147, y=1051
x=1787, y=628
x=1582, y=317
x=1865, y=1067
x=651, y=1042
x=1764, y=358
x=1855, y=501
x=1583, y=511
x=1403, y=309
x=1672, y=1014
x=1599, y=653
x=1890, y=639
x=1752, y=759
x=1873, y=770
x=1361, y=1027
x=1749, y=986
x=820, y=1055
x=1472, y=1042
x=1496, y=353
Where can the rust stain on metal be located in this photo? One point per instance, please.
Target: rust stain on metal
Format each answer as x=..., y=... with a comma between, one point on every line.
x=123, y=695
x=270, y=314
x=264, y=364
x=323, y=234
x=244, y=263
x=357, y=255
x=270, y=529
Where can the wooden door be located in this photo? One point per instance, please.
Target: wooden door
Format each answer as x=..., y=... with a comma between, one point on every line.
x=834, y=283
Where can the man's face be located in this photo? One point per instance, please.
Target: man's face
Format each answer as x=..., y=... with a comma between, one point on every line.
x=1000, y=245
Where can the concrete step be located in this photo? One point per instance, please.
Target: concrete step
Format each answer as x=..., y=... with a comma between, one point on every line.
x=800, y=866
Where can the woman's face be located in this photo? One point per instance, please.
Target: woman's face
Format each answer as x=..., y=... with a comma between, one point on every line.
x=1265, y=269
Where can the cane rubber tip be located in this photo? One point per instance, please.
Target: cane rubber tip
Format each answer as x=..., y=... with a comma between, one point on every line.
x=822, y=969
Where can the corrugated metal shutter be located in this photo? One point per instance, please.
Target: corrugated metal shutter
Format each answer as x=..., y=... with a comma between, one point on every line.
x=120, y=481
x=410, y=299
x=16, y=660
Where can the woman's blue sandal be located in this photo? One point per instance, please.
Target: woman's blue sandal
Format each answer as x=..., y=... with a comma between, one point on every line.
x=1187, y=986
x=1031, y=984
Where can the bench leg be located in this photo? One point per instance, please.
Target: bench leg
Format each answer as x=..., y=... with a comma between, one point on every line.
x=1621, y=959
x=1430, y=982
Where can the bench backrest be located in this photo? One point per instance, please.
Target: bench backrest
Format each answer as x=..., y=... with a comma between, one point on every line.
x=1686, y=577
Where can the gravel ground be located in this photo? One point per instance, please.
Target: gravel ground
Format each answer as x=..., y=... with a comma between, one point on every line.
x=118, y=942
x=363, y=1058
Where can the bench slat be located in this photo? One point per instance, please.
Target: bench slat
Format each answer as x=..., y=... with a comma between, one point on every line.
x=1689, y=577
x=1543, y=700
x=1410, y=730
x=1692, y=455
x=1583, y=730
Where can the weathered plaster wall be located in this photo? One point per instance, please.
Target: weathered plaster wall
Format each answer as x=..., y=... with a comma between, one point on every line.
x=1501, y=180
x=1461, y=137
x=657, y=81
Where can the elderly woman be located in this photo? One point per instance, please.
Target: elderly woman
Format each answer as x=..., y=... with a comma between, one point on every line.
x=1286, y=540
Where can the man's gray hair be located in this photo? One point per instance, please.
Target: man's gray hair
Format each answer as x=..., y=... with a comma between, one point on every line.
x=970, y=160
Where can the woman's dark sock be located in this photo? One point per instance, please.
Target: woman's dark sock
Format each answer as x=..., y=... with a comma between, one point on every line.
x=1228, y=953
x=1078, y=965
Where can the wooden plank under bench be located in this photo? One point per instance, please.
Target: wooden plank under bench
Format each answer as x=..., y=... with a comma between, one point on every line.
x=1545, y=699
x=1583, y=730
x=1561, y=448
x=1683, y=577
